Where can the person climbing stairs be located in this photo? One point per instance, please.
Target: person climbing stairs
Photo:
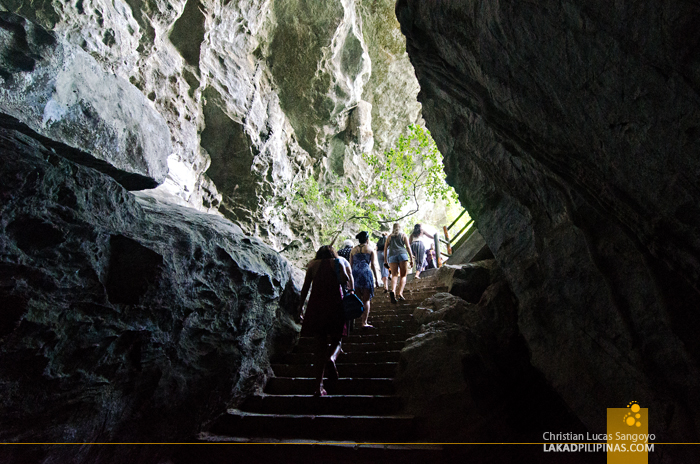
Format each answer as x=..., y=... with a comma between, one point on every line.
x=361, y=411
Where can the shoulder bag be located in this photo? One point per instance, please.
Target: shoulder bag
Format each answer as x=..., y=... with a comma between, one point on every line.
x=353, y=307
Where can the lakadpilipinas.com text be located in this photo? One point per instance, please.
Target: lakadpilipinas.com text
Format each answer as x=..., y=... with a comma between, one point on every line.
x=598, y=442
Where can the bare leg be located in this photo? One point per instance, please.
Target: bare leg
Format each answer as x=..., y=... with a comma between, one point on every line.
x=402, y=281
x=320, y=363
x=365, y=315
x=333, y=352
x=394, y=275
x=334, y=349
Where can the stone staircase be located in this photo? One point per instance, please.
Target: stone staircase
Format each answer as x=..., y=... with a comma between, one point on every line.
x=361, y=411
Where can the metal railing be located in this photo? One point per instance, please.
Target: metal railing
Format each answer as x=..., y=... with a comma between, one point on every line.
x=456, y=241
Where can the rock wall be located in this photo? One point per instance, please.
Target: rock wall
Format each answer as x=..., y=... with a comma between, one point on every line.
x=123, y=318
x=466, y=375
x=257, y=95
x=61, y=92
x=570, y=132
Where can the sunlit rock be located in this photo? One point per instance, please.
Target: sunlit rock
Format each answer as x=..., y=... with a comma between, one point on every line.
x=63, y=93
x=293, y=88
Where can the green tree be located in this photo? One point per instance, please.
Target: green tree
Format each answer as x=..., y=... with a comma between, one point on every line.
x=400, y=181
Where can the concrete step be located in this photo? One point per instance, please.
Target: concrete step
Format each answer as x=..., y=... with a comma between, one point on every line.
x=415, y=293
x=388, y=326
x=376, y=429
x=403, y=310
x=347, y=386
x=335, y=405
x=354, y=370
x=348, y=357
x=307, y=345
x=389, y=320
x=407, y=303
x=361, y=405
x=385, y=328
x=396, y=318
x=372, y=336
x=373, y=346
x=406, y=291
x=362, y=345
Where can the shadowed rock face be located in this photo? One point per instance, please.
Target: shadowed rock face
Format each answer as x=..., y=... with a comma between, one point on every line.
x=467, y=375
x=123, y=318
x=570, y=131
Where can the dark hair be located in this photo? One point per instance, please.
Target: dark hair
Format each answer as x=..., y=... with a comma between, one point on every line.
x=381, y=242
x=362, y=237
x=326, y=252
x=416, y=230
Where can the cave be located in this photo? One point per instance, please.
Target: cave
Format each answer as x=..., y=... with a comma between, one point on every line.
x=158, y=165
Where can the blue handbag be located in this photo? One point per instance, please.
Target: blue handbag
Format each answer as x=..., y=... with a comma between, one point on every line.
x=353, y=307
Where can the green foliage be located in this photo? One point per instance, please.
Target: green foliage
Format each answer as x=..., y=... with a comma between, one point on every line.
x=329, y=207
x=410, y=170
x=401, y=180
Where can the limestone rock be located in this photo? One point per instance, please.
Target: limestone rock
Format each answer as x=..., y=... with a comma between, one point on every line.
x=445, y=307
x=466, y=375
x=392, y=87
x=569, y=131
x=469, y=281
x=61, y=92
x=124, y=318
x=258, y=95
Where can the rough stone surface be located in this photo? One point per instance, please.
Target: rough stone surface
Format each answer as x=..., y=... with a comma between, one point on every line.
x=122, y=318
x=467, y=377
x=570, y=132
x=470, y=281
x=258, y=95
x=392, y=86
x=61, y=92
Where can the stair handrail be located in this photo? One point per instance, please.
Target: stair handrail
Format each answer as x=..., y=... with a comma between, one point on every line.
x=453, y=243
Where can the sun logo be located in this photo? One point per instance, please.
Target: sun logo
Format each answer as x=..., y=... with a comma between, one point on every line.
x=632, y=418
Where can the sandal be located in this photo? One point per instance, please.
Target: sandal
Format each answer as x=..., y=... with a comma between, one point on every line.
x=401, y=298
x=368, y=326
x=320, y=392
x=393, y=297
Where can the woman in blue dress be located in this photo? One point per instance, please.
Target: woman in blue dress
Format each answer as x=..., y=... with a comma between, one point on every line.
x=364, y=273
